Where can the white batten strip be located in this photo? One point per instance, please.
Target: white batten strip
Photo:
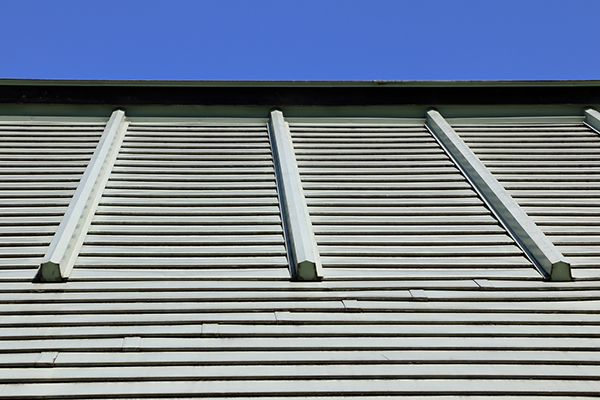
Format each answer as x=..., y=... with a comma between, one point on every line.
x=525, y=231
x=305, y=259
x=66, y=243
x=592, y=119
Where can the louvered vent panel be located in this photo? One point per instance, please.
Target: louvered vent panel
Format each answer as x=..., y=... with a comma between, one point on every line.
x=553, y=172
x=189, y=197
x=40, y=167
x=389, y=197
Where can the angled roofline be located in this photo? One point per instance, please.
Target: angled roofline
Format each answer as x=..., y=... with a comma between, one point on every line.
x=298, y=93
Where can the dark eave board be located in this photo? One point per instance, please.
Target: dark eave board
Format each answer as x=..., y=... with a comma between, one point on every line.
x=378, y=93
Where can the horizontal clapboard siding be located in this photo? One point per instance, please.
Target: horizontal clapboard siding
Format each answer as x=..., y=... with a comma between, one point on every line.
x=241, y=337
x=428, y=299
x=385, y=196
x=553, y=172
x=41, y=163
x=281, y=388
x=192, y=196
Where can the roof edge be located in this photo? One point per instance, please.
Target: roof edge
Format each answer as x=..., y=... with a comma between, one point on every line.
x=298, y=93
x=268, y=84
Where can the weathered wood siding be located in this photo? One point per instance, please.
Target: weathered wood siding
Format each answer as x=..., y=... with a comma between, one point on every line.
x=41, y=163
x=424, y=295
x=189, y=196
x=385, y=196
x=553, y=171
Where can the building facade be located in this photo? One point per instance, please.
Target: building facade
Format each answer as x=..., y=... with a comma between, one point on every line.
x=299, y=239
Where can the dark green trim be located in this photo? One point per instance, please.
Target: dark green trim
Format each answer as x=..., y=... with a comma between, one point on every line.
x=200, y=111
x=372, y=93
x=281, y=84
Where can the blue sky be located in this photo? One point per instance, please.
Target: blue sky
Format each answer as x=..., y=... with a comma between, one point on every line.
x=300, y=40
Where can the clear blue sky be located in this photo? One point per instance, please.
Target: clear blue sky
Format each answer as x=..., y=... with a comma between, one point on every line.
x=300, y=40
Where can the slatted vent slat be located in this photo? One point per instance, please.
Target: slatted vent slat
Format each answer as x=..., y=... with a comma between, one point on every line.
x=41, y=164
x=553, y=172
x=189, y=197
x=389, y=197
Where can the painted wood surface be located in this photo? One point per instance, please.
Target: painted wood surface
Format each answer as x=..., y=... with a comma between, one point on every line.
x=41, y=163
x=551, y=170
x=183, y=290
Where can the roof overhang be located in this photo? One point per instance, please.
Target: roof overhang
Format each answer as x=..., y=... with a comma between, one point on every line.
x=299, y=93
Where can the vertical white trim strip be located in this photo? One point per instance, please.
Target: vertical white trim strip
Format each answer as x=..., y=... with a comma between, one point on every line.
x=531, y=238
x=305, y=259
x=592, y=119
x=66, y=243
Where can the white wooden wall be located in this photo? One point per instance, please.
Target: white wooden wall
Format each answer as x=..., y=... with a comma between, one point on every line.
x=182, y=287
